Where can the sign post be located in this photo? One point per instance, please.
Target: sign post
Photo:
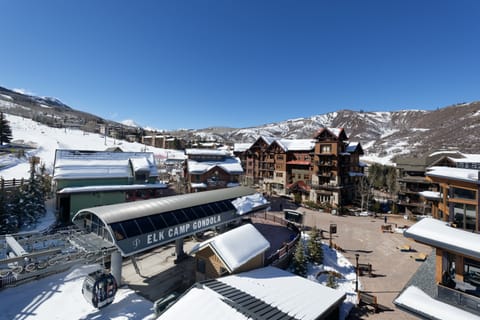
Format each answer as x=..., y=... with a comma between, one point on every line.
x=333, y=229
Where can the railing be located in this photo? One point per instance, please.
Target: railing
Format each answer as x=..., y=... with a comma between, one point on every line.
x=281, y=257
x=329, y=186
x=459, y=299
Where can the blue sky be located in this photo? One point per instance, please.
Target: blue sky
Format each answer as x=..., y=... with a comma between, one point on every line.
x=196, y=64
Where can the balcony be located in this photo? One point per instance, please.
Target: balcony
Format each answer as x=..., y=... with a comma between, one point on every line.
x=463, y=295
x=326, y=186
x=324, y=174
x=325, y=163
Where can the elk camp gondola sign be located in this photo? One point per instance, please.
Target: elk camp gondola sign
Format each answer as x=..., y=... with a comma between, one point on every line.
x=182, y=229
x=131, y=246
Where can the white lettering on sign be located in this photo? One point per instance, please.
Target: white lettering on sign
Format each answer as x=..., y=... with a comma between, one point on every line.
x=155, y=237
x=182, y=229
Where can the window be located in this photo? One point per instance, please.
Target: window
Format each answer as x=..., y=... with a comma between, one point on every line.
x=326, y=148
x=158, y=221
x=465, y=216
x=131, y=228
x=118, y=231
x=279, y=174
x=471, y=269
x=464, y=194
x=145, y=224
x=280, y=157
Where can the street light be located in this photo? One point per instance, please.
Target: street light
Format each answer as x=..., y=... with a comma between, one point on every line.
x=356, y=274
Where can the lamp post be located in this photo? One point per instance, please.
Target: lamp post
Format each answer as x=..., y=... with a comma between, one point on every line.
x=356, y=274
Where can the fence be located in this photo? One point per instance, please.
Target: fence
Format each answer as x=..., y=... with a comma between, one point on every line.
x=12, y=183
x=282, y=256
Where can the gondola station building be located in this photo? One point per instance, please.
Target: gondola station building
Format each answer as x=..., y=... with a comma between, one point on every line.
x=85, y=178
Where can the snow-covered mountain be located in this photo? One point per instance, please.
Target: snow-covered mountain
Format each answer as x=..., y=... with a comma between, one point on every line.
x=383, y=135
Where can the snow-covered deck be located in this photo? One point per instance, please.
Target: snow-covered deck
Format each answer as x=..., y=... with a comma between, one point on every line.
x=439, y=234
x=415, y=300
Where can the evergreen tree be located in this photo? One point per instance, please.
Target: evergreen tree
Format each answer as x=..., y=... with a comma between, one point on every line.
x=14, y=212
x=332, y=281
x=34, y=192
x=5, y=130
x=299, y=260
x=314, y=246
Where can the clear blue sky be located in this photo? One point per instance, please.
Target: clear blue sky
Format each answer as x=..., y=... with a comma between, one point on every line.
x=194, y=63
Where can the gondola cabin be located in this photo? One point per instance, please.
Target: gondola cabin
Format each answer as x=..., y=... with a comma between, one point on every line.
x=99, y=289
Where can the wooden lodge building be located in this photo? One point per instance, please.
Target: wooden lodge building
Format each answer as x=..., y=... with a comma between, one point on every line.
x=324, y=169
x=208, y=169
x=229, y=253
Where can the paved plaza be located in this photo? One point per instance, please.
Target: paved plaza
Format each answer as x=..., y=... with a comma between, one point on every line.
x=391, y=267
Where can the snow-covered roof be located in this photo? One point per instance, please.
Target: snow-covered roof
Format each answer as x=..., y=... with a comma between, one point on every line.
x=439, y=234
x=430, y=194
x=415, y=300
x=140, y=164
x=198, y=185
x=75, y=164
x=209, y=152
x=460, y=174
x=280, y=289
x=249, y=203
x=352, y=146
x=238, y=246
x=241, y=147
x=467, y=158
x=267, y=139
x=444, y=152
x=231, y=165
x=296, y=144
x=114, y=188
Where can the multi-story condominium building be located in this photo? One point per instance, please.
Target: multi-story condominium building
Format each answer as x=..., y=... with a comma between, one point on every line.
x=208, y=169
x=276, y=164
x=415, y=187
x=324, y=169
x=336, y=168
x=162, y=141
x=457, y=199
x=254, y=160
x=287, y=162
x=412, y=181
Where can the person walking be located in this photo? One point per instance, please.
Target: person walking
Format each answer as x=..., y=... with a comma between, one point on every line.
x=385, y=219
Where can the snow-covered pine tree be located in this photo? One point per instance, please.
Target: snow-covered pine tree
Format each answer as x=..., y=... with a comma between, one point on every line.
x=5, y=130
x=332, y=281
x=314, y=246
x=35, y=191
x=299, y=262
